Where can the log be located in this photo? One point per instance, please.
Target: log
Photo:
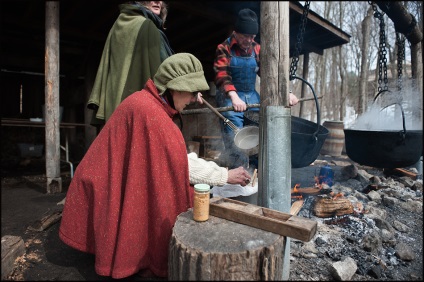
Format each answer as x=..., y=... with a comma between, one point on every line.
x=12, y=247
x=219, y=249
x=311, y=191
x=329, y=207
x=45, y=222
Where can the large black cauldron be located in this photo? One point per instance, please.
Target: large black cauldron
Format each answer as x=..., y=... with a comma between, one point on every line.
x=307, y=137
x=384, y=149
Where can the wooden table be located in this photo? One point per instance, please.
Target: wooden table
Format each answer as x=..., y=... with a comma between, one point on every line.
x=27, y=123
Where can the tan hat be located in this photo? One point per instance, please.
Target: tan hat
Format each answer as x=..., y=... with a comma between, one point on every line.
x=181, y=72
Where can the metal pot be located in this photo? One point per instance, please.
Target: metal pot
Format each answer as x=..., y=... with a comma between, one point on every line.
x=384, y=149
x=307, y=137
x=305, y=142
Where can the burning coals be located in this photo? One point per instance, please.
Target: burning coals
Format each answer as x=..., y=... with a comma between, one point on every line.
x=369, y=228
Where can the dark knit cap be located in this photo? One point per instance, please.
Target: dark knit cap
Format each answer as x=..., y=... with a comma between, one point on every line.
x=247, y=22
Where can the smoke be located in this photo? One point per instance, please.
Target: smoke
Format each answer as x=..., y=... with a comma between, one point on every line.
x=385, y=111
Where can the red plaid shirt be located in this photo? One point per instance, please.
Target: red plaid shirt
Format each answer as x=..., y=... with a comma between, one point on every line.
x=223, y=80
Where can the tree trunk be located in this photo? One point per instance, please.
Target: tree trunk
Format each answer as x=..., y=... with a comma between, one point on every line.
x=343, y=83
x=363, y=92
x=219, y=249
x=334, y=90
x=417, y=74
x=406, y=24
x=404, y=21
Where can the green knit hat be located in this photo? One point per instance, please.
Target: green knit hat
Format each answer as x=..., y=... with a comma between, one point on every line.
x=181, y=72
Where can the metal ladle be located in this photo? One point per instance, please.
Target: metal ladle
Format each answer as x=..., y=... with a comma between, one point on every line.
x=246, y=138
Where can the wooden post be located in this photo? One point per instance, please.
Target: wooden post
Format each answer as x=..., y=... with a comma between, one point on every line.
x=275, y=153
x=54, y=181
x=219, y=249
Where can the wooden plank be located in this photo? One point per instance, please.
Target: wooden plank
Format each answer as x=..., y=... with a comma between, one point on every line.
x=296, y=207
x=263, y=218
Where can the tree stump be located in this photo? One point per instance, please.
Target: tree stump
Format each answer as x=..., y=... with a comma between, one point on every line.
x=219, y=249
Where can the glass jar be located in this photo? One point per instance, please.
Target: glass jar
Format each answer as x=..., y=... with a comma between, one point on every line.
x=201, y=202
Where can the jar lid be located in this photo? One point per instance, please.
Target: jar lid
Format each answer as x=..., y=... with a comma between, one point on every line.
x=202, y=187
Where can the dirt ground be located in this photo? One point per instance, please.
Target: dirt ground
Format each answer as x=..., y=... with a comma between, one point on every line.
x=24, y=202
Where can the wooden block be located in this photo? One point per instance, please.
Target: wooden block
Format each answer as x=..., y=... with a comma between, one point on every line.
x=12, y=247
x=263, y=218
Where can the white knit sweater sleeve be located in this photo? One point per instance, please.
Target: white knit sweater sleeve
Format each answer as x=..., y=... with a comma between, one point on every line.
x=208, y=172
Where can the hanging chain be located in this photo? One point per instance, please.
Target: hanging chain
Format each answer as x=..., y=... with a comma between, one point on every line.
x=298, y=46
x=400, y=42
x=382, y=61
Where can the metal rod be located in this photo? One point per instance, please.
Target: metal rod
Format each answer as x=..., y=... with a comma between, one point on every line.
x=226, y=121
x=231, y=108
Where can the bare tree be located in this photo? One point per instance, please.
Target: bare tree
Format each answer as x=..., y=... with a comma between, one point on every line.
x=347, y=76
x=366, y=28
x=342, y=70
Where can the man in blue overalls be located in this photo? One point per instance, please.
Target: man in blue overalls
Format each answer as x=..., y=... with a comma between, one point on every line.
x=236, y=66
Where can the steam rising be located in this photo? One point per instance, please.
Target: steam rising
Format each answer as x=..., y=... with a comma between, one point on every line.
x=385, y=112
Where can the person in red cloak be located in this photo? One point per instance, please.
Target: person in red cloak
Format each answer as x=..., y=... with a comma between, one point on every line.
x=133, y=181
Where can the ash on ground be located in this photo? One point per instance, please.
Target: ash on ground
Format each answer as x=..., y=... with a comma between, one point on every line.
x=380, y=241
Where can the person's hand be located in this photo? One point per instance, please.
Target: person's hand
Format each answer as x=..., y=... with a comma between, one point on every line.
x=199, y=98
x=238, y=176
x=238, y=104
x=293, y=100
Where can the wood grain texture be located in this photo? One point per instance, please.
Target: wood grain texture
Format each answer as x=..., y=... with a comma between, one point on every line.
x=263, y=218
x=223, y=250
x=329, y=207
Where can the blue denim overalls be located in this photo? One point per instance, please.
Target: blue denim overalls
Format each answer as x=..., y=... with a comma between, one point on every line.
x=243, y=72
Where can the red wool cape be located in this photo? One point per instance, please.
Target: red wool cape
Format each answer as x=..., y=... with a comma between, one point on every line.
x=129, y=188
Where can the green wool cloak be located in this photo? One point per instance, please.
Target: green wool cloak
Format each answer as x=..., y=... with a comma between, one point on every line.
x=131, y=55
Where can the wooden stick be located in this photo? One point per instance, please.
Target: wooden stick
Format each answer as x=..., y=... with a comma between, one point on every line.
x=231, y=108
x=295, y=208
x=405, y=172
x=254, y=177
